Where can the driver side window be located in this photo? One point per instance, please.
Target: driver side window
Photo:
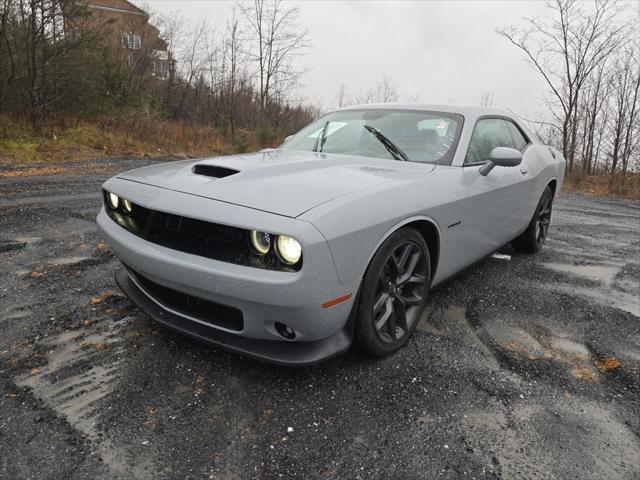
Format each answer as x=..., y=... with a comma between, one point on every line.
x=487, y=134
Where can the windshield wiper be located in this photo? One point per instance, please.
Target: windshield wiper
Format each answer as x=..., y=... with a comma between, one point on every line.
x=393, y=149
x=322, y=138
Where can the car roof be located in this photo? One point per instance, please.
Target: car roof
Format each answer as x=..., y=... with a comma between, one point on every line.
x=469, y=110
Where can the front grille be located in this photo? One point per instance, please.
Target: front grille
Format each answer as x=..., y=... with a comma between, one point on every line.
x=204, y=310
x=198, y=237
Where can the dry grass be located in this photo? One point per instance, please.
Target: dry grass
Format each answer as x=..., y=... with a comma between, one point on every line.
x=133, y=135
x=599, y=185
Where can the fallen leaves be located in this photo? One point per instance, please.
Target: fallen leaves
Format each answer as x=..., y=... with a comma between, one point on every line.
x=101, y=298
x=103, y=246
x=87, y=323
x=584, y=372
x=609, y=363
x=36, y=274
x=34, y=371
x=33, y=171
x=100, y=346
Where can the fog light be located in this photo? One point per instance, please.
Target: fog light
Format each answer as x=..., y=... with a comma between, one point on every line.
x=285, y=331
x=114, y=200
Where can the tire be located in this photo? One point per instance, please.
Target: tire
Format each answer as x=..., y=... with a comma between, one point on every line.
x=533, y=238
x=394, y=293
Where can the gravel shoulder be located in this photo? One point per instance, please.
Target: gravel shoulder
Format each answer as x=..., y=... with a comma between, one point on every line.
x=524, y=367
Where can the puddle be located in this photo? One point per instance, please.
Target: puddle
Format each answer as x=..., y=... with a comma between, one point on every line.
x=573, y=428
x=623, y=301
x=599, y=273
x=16, y=311
x=82, y=368
x=516, y=340
x=66, y=261
x=544, y=344
x=28, y=240
x=570, y=348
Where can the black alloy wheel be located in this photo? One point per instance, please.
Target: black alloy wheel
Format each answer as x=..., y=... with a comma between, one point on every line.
x=533, y=238
x=394, y=293
x=543, y=219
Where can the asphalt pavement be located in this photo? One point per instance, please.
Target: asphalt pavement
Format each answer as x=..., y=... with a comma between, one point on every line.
x=525, y=367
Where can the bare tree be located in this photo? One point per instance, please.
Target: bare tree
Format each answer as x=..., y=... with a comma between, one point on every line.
x=486, y=99
x=386, y=90
x=591, y=113
x=191, y=58
x=233, y=68
x=566, y=50
x=626, y=88
x=341, y=96
x=7, y=59
x=277, y=40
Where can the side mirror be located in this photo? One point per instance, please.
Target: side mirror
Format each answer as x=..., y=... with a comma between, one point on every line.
x=501, y=157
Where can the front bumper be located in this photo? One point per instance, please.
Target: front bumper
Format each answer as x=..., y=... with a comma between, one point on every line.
x=264, y=297
x=277, y=352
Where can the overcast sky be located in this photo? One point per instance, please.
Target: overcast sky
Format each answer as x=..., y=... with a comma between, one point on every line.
x=436, y=51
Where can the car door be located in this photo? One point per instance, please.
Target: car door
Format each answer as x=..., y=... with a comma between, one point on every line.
x=496, y=204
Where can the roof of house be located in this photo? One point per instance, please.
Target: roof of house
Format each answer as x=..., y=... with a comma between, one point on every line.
x=116, y=5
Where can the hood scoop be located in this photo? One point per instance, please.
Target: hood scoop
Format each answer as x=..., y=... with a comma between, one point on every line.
x=213, y=171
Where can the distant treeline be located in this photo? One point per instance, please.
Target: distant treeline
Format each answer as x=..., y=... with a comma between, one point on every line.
x=588, y=54
x=57, y=62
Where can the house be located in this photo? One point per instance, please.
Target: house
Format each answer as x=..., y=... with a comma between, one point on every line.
x=136, y=41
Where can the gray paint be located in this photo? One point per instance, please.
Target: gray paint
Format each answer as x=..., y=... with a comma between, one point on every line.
x=341, y=208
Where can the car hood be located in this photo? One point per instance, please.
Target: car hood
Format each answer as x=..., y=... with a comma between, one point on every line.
x=283, y=182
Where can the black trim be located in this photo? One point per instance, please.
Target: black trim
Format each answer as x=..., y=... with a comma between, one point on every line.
x=201, y=309
x=197, y=237
x=488, y=117
x=213, y=170
x=295, y=354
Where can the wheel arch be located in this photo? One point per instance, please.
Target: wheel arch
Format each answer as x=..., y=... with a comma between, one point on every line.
x=553, y=184
x=425, y=226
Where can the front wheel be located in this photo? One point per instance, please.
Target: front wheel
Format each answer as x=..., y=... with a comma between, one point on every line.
x=532, y=239
x=394, y=293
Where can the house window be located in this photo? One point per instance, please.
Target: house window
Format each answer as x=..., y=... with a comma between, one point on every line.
x=159, y=68
x=131, y=40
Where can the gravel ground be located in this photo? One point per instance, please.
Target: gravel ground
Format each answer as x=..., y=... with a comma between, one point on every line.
x=524, y=367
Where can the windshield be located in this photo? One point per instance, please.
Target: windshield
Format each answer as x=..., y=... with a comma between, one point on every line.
x=417, y=136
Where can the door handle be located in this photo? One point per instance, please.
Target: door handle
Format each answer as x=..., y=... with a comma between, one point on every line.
x=523, y=171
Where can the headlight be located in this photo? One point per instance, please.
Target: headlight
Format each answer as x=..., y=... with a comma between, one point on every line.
x=260, y=242
x=127, y=205
x=114, y=201
x=288, y=249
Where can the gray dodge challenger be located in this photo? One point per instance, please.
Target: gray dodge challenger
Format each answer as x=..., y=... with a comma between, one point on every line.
x=291, y=255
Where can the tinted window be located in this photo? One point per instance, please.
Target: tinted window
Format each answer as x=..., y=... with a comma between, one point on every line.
x=519, y=140
x=488, y=134
x=424, y=136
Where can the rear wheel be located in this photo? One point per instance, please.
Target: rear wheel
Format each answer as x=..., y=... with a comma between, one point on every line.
x=394, y=293
x=533, y=238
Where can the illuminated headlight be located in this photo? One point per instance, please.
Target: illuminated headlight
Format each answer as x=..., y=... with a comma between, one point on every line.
x=114, y=200
x=260, y=242
x=288, y=249
x=127, y=205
